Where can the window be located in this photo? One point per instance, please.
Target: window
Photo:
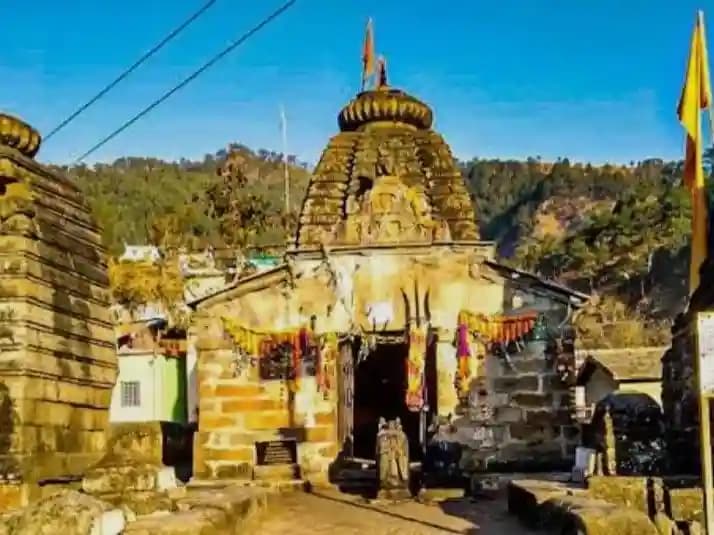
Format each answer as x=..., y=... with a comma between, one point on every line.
x=130, y=394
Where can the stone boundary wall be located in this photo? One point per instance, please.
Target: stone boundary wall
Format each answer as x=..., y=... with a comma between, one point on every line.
x=235, y=412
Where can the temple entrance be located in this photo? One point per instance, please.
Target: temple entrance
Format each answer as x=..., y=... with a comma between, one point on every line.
x=380, y=384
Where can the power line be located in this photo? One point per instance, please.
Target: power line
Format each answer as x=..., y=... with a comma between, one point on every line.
x=274, y=15
x=131, y=69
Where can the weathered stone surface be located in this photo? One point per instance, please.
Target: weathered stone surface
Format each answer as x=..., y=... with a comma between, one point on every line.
x=631, y=492
x=132, y=463
x=560, y=509
x=685, y=504
x=56, y=333
x=68, y=513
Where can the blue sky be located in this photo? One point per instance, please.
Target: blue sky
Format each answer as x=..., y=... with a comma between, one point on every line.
x=589, y=80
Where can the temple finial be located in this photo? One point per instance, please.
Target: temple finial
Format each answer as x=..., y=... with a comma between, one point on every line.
x=382, y=73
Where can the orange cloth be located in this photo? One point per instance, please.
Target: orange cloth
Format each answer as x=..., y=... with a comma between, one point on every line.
x=368, y=64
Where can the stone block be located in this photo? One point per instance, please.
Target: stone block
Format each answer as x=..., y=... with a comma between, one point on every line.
x=507, y=415
x=211, y=423
x=232, y=390
x=251, y=404
x=277, y=472
x=109, y=480
x=549, y=417
x=134, y=442
x=66, y=512
x=513, y=384
x=626, y=491
x=238, y=454
x=232, y=471
x=531, y=400
x=531, y=433
x=320, y=434
x=12, y=496
x=685, y=504
x=329, y=418
x=267, y=420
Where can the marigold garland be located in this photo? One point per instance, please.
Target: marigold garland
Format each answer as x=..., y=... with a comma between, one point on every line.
x=415, y=369
x=491, y=329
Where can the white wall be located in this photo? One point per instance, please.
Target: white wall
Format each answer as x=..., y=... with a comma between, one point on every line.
x=141, y=367
x=191, y=382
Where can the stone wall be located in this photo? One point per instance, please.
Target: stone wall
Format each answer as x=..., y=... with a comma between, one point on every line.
x=238, y=409
x=522, y=419
x=679, y=400
x=679, y=382
x=58, y=361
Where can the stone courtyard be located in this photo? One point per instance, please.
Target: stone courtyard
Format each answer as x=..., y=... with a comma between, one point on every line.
x=331, y=512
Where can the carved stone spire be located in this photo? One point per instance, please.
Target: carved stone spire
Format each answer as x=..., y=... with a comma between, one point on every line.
x=387, y=177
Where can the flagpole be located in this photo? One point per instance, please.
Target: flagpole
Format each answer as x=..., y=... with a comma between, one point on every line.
x=710, y=109
x=284, y=132
x=705, y=442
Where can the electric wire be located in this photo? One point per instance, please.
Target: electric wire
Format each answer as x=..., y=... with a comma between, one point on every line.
x=131, y=69
x=215, y=59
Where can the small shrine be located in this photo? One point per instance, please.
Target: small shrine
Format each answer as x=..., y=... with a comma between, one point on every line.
x=387, y=305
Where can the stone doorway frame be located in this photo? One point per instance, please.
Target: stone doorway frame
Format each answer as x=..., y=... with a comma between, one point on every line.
x=346, y=370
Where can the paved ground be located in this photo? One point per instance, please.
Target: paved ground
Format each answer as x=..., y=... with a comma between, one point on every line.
x=328, y=512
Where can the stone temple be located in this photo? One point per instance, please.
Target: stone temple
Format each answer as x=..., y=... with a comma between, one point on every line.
x=387, y=304
x=57, y=352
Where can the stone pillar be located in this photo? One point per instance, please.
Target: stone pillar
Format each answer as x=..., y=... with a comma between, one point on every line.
x=58, y=362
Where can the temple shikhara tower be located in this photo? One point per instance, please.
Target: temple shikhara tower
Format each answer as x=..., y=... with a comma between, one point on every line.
x=387, y=305
x=57, y=350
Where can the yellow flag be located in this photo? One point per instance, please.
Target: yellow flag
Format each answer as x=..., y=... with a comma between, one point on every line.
x=696, y=96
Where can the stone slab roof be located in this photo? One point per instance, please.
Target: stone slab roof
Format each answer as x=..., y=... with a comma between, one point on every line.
x=626, y=364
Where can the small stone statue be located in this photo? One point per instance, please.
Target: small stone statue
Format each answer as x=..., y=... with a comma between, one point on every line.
x=392, y=461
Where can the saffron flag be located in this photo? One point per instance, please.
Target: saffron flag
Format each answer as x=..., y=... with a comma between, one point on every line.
x=696, y=96
x=368, y=64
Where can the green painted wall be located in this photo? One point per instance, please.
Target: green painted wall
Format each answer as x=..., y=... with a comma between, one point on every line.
x=172, y=377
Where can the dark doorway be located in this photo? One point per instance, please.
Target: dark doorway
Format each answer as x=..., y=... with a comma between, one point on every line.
x=380, y=391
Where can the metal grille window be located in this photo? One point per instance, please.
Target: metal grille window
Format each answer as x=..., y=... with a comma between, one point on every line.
x=130, y=394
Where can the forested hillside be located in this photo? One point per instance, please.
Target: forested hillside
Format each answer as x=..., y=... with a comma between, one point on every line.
x=619, y=233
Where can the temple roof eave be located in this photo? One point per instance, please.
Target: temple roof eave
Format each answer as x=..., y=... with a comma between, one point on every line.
x=575, y=298
x=246, y=285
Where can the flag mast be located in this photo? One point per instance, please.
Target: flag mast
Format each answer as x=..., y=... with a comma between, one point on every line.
x=710, y=109
x=286, y=170
x=696, y=95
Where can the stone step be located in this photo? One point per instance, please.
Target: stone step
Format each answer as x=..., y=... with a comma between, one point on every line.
x=207, y=511
x=559, y=508
x=280, y=472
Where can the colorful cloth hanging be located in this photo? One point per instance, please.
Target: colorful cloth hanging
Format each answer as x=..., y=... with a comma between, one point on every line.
x=299, y=342
x=415, y=369
x=499, y=329
x=490, y=329
x=463, y=356
x=327, y=356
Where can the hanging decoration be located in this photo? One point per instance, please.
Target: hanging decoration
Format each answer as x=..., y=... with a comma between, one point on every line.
x=325, y=368
x=415, y=369
x=499, y=329
x=463, y=357
x=279, y=354
x=489, y=330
